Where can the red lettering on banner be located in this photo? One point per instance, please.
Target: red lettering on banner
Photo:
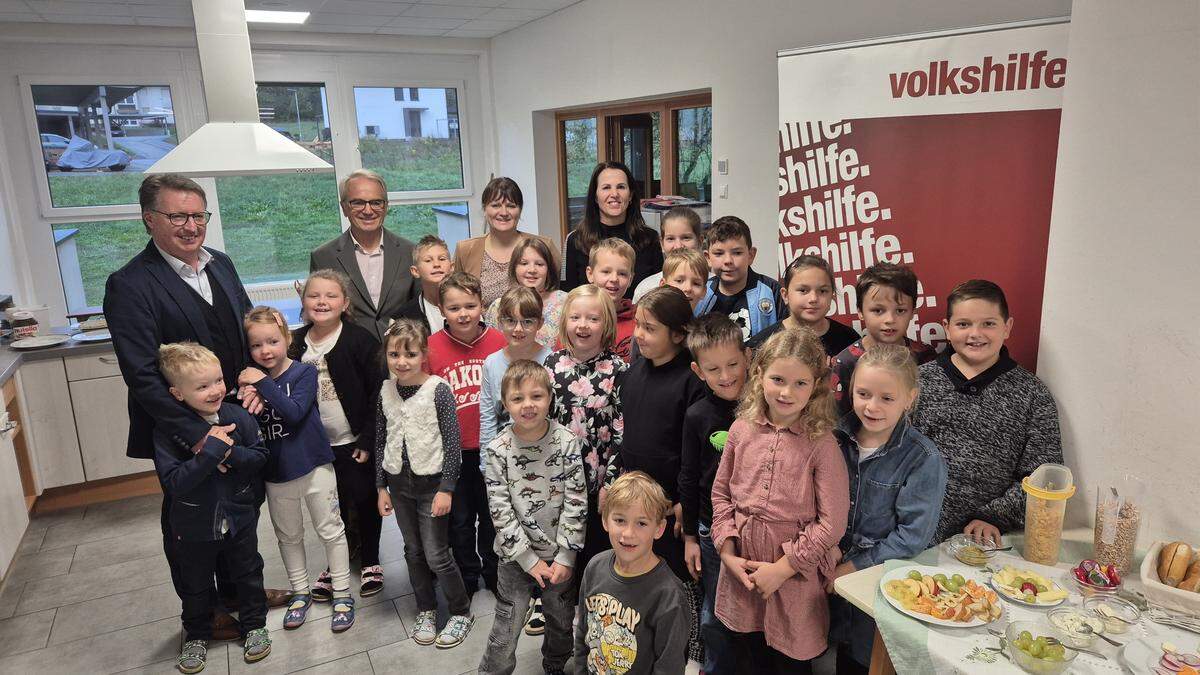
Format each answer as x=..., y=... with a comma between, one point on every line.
x=1020, y=71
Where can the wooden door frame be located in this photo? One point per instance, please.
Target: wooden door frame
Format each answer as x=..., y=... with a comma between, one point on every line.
x=666, y=108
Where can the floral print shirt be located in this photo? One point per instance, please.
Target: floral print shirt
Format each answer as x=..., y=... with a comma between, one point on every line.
x=587, y=400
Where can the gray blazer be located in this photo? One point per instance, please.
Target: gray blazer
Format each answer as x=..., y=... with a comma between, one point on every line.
x=398, y=284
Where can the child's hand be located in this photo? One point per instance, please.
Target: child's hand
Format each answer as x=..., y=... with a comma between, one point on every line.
x=223, y=467
x=603, y=496
x=250, y=399
x=541, y=573
x=982, y=531
x=843, y=569
x=441, y=504
x=736, y=565
x=691, y=555
x=677, y=511
x=360, y=456
x=250, y=376
x=559, y=573
x=384, y=503
x=768, y=577
x=221, y=433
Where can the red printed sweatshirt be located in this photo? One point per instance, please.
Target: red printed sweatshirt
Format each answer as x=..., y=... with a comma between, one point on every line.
x=461, y=365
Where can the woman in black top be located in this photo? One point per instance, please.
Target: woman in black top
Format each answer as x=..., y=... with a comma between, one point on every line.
x=613, y=210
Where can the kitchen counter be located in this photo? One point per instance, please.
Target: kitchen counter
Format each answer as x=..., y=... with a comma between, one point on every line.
x=11, y=359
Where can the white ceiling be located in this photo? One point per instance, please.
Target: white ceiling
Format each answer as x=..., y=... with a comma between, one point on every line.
x=449, y=18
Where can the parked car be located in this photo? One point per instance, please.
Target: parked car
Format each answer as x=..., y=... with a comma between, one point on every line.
x=53, y=146
x=82, y=154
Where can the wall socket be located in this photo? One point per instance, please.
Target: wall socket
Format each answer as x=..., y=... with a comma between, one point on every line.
x=723, y=166
x=724, y=193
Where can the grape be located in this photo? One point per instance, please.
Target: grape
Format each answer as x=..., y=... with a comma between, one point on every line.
x=1035, y=650
x=1026, y=636
x=958, y=579
x=1042, y=588
x=1030, y=598
x=914, y=575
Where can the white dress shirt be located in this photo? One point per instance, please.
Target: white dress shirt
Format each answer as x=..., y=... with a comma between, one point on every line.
x=370, y=265
x=192, y=276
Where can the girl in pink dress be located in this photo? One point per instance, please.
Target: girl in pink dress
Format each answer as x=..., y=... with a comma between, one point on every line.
x=780, y=502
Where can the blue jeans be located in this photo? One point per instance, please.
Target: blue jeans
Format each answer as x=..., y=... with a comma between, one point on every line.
x=719, y=656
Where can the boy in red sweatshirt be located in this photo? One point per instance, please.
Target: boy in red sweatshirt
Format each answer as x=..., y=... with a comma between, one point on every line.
x=610, y=266
x=456, y=354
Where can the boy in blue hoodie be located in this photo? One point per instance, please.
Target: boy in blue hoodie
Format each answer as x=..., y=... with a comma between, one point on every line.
x=214, y=489
x=750, y=299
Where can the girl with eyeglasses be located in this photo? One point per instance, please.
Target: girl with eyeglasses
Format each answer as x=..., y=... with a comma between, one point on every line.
x=532, y=266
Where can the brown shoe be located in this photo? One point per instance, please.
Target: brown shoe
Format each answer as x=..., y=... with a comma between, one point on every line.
x=225, y=627
x=277, y=597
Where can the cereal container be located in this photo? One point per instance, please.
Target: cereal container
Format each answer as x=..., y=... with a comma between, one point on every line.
x=1046, y=494
x=1118, y=517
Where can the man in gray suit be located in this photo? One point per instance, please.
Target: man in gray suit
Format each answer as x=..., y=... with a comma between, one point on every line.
x=376, y=260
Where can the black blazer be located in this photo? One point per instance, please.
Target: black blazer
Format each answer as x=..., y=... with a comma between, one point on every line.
x=412, y=310
x=398, y=284
x=357, y=375
x=147, y=305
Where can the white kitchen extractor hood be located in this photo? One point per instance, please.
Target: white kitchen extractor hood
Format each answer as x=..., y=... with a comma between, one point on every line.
x=233, y=142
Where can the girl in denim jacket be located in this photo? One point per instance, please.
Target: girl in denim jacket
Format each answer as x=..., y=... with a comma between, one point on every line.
x=897, y=480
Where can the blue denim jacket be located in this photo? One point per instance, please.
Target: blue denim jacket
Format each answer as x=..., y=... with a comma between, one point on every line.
x=895, y=494
x=895, y=502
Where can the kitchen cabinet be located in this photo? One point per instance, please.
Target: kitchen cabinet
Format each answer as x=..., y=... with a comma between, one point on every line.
x=14, y=514
x=50, y=423
x=102, y=421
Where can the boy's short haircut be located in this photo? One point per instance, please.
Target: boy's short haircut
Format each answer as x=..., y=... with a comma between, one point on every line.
x=636, y=487
x=896, y=277
x=712, y=330
x=427, y=242
x=520, y=302
x=685, y=214
x=179, y=359
x=263, y=315
x=519, y=372
x=726, y=228
x=685, y=256
x=460, y=281
x=977, y=289
x=613, y=245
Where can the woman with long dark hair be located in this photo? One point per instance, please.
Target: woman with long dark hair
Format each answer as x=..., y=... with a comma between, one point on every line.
x=613, y=210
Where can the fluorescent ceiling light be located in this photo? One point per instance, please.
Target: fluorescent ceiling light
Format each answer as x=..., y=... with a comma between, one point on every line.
x=267, y=16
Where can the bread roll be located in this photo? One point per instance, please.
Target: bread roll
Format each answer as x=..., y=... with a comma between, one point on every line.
x=1191, y=583
x=1173, y=563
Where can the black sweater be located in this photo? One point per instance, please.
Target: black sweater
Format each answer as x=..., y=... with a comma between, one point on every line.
x=705, y=417
x=648, y=259
x=654, y=401
x=357, y=375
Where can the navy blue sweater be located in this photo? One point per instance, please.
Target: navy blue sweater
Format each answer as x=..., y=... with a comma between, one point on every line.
x=291, y=424
x=206, y=504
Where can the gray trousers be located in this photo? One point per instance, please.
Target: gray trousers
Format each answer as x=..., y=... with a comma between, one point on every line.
x=513, y=590
x=427, y=543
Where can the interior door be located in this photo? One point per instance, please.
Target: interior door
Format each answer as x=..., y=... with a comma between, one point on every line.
x=631, y=140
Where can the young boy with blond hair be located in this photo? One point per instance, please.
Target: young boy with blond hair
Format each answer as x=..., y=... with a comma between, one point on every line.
x=610, y=267
x=633, y=615
x=430, y=265
x=687, y=270
x=680, y=229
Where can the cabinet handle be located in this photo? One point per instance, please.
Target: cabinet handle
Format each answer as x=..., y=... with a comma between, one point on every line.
x=110, y=360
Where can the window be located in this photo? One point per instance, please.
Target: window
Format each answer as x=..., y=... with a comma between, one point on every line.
x=693, y=152
x=431, y=159
x=88, y=252
x=448, y=220
x=272, y=223
x=579, y=158
x=399, y=93
x=96, y=140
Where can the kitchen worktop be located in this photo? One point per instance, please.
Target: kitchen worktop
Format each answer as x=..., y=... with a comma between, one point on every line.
x=11, y=359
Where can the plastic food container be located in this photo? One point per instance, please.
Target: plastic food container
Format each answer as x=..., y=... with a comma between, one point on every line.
x=1118, y=517
x=1029, y=663
x=1121, y=609
x=1066, y=619
x=1046, y=494
x=970, y=552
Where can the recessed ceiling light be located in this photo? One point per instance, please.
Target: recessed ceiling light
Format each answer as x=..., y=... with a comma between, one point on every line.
x=266, y=16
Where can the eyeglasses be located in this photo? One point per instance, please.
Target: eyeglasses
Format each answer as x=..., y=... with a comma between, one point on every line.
x=510, y=323
x=360, y=204
x=178, y=219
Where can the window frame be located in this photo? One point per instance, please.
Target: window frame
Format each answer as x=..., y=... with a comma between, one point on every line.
x=62, y=214
x=668, y=143
x=467, y=191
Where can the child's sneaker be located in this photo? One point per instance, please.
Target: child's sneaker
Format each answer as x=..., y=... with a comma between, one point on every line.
x=455, y=631
x=322, y=591
x=297, y=611
x=372, y=581
x=193, y=656
x=535, y=621
x=257, y=645
x=343, y=614
x=425, y=630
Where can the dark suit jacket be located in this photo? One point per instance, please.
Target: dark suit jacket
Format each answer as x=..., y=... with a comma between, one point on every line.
x=398, y=284
x=147, y=305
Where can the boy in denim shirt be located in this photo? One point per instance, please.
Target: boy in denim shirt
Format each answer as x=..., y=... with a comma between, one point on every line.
x=897, y=481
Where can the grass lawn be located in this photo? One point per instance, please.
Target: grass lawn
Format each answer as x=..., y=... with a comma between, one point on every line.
x=418, y=164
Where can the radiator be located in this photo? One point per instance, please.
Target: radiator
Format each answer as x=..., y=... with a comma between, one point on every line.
x=269, y=293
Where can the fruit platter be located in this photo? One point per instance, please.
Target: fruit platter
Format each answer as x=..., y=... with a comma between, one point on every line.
x=1028, y=588
x=931, y=595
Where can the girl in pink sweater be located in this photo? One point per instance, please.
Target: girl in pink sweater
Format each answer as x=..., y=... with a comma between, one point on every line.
x=780, y=502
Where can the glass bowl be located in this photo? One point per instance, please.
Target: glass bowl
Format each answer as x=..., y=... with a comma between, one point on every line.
x=1089, y=590
x=1121, y=609
x=1031, y=664
x=1074, y=638
x=970, y=552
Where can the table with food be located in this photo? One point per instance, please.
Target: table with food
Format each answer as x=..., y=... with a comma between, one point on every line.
x=1043, y=601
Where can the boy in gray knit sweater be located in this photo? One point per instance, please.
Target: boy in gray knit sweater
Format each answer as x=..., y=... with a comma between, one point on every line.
x=538, y=501
x=994, y=421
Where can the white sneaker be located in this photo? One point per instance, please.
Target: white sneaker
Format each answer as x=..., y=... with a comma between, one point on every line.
x=425, y=630
x=455, y=631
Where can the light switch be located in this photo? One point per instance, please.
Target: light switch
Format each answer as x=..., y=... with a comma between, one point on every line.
x=723, y=166
x=724, y=191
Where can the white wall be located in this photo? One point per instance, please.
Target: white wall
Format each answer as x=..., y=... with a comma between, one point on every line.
x=599, y=51
x=1120, y=341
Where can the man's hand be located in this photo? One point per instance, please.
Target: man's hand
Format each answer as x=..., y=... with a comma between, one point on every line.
x=691, y=555
x=843, y=569
x=541, y=573
x=559, y=573
x=983, y=532
x=768, y=577
x=360, y=456
x=441, y=504
x=677, y=511
x=249, y=376
x=384, y=503
x=250, y=399
x=736, y=565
